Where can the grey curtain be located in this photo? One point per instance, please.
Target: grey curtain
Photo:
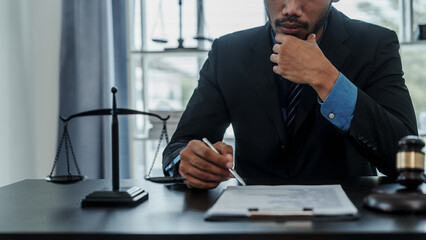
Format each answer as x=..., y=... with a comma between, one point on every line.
x=93, y=59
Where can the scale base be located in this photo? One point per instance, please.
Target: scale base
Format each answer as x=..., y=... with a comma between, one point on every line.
x=129, y=197
x=394, y=198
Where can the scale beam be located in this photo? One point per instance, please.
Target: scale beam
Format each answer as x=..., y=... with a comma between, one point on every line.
x=116, y=196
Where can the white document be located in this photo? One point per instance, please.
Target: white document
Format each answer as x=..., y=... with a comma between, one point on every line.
x=285, y=200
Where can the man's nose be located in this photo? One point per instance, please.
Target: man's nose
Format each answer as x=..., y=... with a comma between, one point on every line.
x=292, y=8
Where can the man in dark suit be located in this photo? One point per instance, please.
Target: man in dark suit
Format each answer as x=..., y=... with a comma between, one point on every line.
x=310, y=95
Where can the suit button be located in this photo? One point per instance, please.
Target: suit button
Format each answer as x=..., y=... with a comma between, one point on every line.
x=360, y=136
x=369, y=144
x=365, y=140
x=374, y=147
x=331, y=115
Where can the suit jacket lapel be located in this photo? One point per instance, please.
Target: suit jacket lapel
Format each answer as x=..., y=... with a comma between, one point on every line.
x=332, y=45
x=259, y=69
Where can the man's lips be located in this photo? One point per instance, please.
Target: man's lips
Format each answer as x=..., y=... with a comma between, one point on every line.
x=290, y=28
x=286, y=25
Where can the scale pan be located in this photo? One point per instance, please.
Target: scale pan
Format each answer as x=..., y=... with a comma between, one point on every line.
x=65, y=178
x=160, y=40
x=166, y=179
x=201, y=38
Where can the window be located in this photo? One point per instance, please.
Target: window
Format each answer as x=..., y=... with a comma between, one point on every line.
x=164, y=76
x=381, y=12
x=419, y=14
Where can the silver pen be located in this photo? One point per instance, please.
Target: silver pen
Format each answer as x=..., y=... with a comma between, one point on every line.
x=233, y=172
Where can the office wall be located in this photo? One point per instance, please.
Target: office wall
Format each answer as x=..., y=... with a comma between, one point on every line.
x=29, y=87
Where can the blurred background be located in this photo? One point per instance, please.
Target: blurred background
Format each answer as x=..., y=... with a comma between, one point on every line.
x=62, y=57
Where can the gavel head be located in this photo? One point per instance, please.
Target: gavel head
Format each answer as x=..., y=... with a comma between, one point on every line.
x=410, y=162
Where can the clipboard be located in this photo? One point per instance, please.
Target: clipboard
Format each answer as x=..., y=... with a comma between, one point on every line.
x=289, y=202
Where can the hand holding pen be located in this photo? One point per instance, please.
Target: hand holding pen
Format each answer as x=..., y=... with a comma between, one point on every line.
x=203, y=167
x=232, y=171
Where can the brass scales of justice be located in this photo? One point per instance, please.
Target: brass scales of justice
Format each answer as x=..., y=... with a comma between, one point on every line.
x=116, y=196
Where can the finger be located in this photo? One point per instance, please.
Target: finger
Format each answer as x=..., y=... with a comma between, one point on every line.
x=192, y=182
x=276, y=69
x=227, y=151
x=203, y=176
x=189, y=161
x=205, y=152
x=189, y=168
x=280, y=38
x=274, y=58
x=312, y=38
x=276, y=48
x=223, y=148
x=208, y=167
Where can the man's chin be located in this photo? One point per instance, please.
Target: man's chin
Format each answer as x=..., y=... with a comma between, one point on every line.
x=299, y=33
x=302, y=36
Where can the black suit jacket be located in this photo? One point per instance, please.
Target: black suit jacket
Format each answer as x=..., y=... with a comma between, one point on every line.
x=237, y=86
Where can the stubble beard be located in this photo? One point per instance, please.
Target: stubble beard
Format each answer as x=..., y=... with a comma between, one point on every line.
x=317, y=27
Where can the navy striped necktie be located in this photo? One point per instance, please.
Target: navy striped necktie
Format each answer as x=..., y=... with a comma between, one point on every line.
x=294, y=90
x=289, y=98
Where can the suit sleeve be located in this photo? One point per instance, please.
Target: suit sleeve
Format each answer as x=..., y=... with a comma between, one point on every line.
x=384, y=112
x=206, y=114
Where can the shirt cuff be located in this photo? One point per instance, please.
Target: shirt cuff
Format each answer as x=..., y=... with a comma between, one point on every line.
x=339, y=106
x=170, y=169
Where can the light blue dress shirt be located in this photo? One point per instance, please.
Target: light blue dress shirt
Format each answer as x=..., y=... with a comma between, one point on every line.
x=169, y=168
x=339, y=106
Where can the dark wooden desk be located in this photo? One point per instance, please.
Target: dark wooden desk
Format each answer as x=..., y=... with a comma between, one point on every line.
x=35, y=209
